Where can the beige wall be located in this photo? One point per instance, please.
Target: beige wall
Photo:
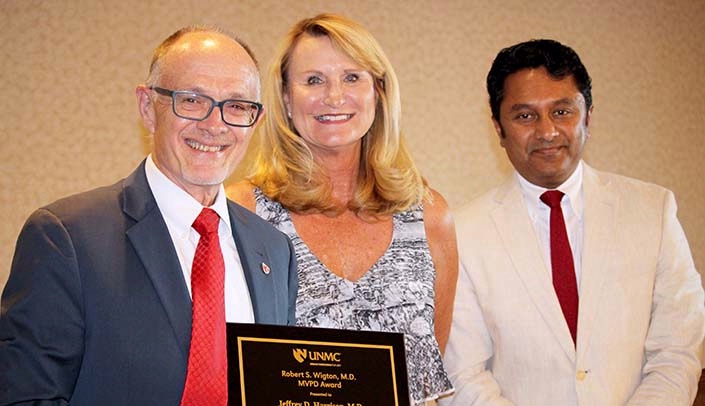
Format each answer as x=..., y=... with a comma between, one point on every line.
x=68, y=112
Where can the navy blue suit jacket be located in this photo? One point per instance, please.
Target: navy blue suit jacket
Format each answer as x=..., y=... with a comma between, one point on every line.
x=96, y=310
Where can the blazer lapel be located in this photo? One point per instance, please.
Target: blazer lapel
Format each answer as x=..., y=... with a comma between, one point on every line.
x=522, y=247
x=151, y=240
x=598, y=247
x=253, y=257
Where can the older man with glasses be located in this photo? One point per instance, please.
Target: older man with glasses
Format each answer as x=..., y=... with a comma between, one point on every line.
x=120, y=295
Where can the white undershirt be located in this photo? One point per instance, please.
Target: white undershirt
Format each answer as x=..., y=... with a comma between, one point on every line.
x=572, y=205
x=180, y=210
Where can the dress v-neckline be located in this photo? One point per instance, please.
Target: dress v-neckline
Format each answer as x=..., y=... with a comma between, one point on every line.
x=374, y=265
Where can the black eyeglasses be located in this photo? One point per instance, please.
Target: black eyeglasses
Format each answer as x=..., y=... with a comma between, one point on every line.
x=196, y=106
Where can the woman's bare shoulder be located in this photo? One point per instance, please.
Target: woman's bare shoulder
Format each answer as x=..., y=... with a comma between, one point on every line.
x=242, y=193
x=436, y=211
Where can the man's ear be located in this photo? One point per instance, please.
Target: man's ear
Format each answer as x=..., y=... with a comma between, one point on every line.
x=146, y=108
x=588, y=116
x=261, y=115
x=498, y=130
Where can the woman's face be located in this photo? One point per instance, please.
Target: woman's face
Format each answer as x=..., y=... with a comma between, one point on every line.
x=329, y=98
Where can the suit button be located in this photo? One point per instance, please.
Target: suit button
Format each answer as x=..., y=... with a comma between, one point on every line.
x=580, y=375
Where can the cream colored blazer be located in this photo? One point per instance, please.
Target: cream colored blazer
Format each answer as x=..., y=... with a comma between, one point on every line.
x=641, y=315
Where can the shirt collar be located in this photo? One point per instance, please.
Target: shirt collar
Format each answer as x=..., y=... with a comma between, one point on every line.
x=572, y=188
x=178, y=207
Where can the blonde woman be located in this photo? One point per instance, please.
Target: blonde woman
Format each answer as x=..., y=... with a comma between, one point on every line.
x=375, y=245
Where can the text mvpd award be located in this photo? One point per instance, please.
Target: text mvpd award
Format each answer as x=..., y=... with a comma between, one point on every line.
x=299, y=366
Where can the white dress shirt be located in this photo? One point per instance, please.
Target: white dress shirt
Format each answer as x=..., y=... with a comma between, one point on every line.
x=180, y=210
x=572, y=205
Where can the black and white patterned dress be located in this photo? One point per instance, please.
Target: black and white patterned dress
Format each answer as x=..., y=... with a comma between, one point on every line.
x=396, y=295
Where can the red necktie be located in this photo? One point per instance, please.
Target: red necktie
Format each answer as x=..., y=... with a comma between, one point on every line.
x=207, y=374
x=562, y=262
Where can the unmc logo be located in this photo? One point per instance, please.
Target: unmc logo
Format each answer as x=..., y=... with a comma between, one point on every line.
x=300, y=354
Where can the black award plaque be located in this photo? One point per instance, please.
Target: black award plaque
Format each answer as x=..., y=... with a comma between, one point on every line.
x=301, y=366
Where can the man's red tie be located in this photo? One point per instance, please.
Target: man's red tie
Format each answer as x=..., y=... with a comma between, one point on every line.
x=562, y=264
x=207, y=374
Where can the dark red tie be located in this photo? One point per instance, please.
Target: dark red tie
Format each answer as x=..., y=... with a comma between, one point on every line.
x=207, y=374
x=562, y=262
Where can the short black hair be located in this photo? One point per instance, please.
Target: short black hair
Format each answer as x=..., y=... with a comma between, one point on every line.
x=559, y=60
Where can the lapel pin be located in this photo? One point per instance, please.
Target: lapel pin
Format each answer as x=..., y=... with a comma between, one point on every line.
x=265, y=268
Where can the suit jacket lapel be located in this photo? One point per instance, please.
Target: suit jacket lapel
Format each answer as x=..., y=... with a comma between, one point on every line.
x=598, y=247
x=523, y=249
x=254, y=264
x=151, y=240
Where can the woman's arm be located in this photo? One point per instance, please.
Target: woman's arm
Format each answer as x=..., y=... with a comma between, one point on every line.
x=440, y=232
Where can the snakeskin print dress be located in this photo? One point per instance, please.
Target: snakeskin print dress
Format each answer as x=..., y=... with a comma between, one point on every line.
x=395, y=295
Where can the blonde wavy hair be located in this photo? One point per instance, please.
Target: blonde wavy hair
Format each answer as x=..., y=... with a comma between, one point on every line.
x=285, y=168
